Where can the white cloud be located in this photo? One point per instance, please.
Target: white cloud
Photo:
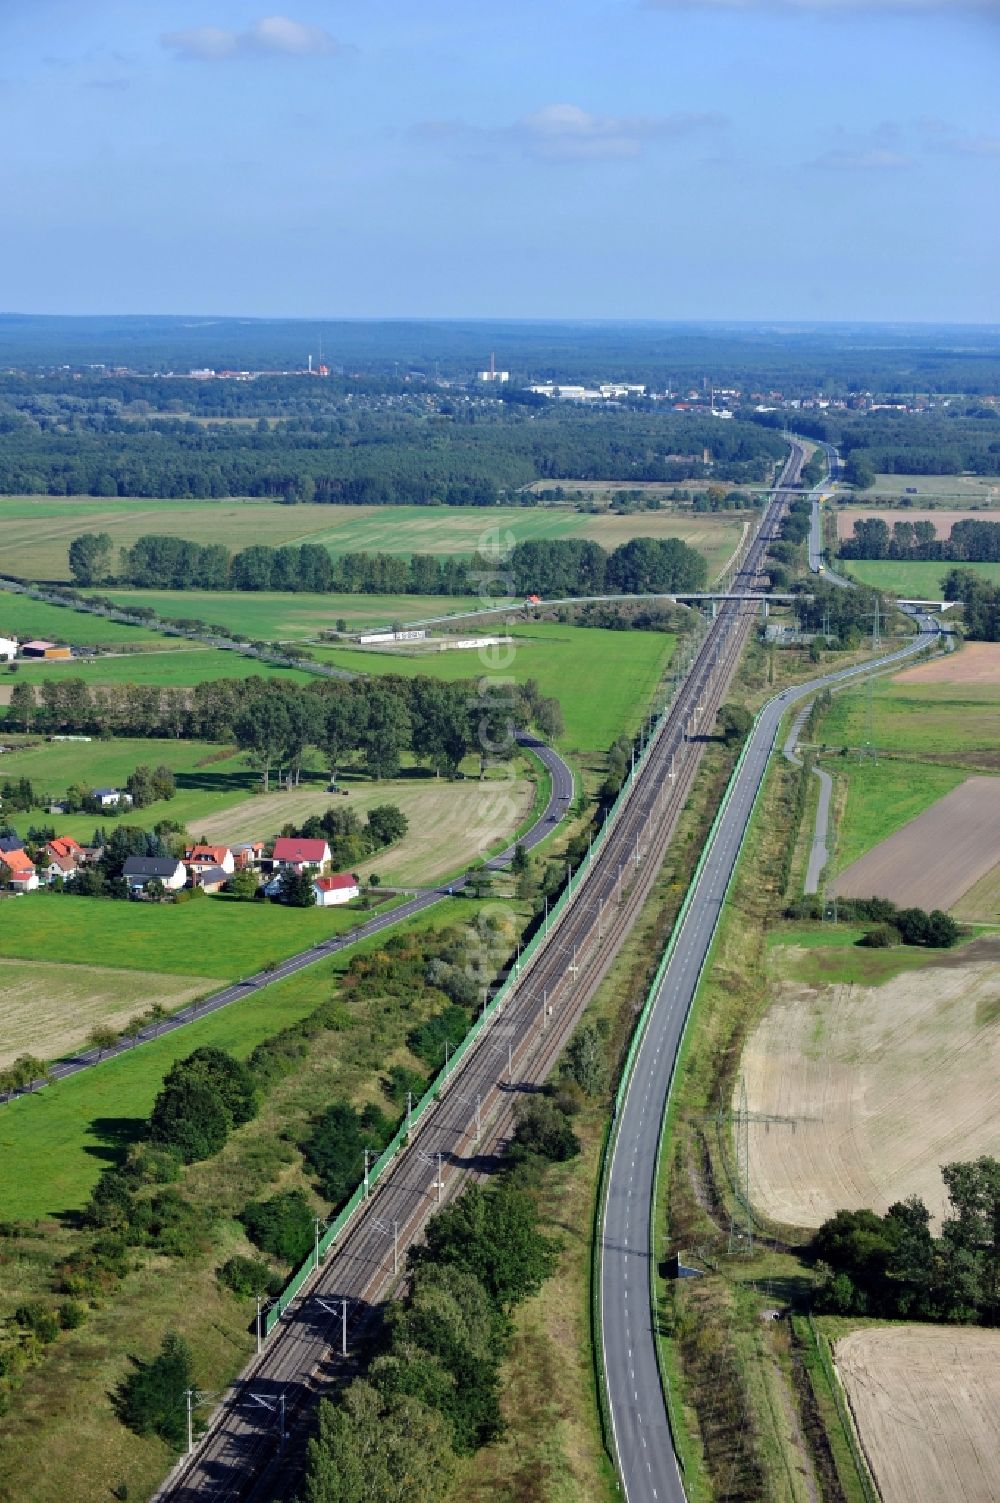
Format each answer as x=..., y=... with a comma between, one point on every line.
x=835, y=7
x=862, y=159
x=274, y=36
x=567, y=133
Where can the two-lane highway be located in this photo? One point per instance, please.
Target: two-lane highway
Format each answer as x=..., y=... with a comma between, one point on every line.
x=644, y=1450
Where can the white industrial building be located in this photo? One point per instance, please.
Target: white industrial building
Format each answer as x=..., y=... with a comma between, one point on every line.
x=8, y=649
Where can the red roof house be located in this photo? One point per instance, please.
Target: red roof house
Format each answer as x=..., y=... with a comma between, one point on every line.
x=339, y=888
x=203, y=857
x=289, y=850
x=64, y=848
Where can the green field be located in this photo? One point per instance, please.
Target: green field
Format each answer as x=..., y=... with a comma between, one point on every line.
x=54, y=1144
x=604, y=680
x=171, y=670
x=921, y=581
x=982, y=490
x=277, y=616
x=24, y=618
x=37, y=532
x=935, y=720
x=929, y=736
x=210, y=936
x=209, y=778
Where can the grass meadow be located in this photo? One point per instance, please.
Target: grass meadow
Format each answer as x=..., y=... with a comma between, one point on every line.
x=37, y=531
x=930, y=736
x=178, y=668
x=24, y=618
x=911, y=581
x=604, y=680
x=283, y=616
x=210, y=936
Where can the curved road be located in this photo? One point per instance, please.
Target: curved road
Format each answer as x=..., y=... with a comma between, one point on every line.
x=560, y=798
x=644, y=1450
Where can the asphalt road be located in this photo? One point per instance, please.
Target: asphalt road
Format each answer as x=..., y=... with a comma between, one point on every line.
x=820, y=494
x=646, y=1460
x=560, y=799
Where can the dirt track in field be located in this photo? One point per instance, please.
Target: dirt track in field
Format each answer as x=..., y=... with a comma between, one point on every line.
x=878, y=1087
x=926, y=1403
x=977, y=663
x=932, y=861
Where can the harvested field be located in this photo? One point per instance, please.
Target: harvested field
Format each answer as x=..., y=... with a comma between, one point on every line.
x=981, y=904
x=943, y=521
x=926, y=1404
x=451, y=824
x=932, y=861
x=976, y=663
x=47, y=1009
x=879, y=1086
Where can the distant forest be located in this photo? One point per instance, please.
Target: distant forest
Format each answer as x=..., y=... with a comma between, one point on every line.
x=320, y=443
x=964, y=437
x=835, y=358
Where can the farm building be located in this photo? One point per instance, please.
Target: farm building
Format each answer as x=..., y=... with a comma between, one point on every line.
x=8, y=648
x=340, y=888
x=48, y=650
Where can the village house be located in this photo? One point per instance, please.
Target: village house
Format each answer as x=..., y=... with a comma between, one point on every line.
x=200, y=858
x=110, y=798
x=64, y=847
x=19, y=871
x=336, y=889
x=210, y=878
x=248, y=853
x=140, y=870
x=58, y=866
x=291, y=851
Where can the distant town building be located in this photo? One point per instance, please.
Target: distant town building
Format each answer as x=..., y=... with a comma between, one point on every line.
x=493, y=374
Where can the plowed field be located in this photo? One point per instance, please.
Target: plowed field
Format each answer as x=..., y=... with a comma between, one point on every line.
x=937, y=857
x=977, y=663
x=877, y=1087
x=926, y=1403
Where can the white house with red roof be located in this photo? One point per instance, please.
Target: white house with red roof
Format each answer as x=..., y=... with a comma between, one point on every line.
x=291, y=851
x=18, y=870
x=339, y=888
x=202, y=858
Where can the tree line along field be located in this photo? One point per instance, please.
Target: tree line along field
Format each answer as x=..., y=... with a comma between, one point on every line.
x=37, y=533
x=24, y=618
x=277, y=616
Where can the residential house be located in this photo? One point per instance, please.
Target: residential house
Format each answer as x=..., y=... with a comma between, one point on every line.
x=63, y=847
x=10, y=843
x=139, y=870
x=200, y=858
x=291, y=851
x=331, y=891
x=210, y=878
x=110, y=798
x=248, y=853
x=19, y=871
x=58, y=866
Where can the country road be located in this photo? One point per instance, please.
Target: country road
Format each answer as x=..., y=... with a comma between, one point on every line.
x=644, y=1450
x=560, y=798
x=245, y=1453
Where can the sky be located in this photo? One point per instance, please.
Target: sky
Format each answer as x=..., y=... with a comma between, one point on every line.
x=791, y=160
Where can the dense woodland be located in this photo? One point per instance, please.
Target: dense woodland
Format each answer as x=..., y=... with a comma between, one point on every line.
x=964, y=437
x=102, y=438
x=557, y=567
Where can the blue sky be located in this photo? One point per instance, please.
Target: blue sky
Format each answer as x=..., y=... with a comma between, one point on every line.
x=731, y=159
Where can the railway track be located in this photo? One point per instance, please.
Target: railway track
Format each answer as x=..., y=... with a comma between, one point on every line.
x=252, y=1447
